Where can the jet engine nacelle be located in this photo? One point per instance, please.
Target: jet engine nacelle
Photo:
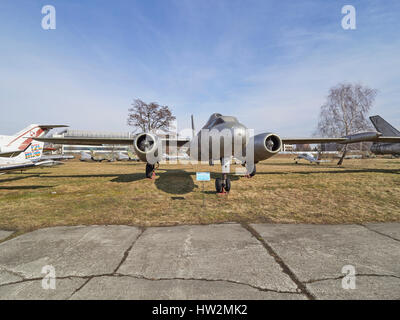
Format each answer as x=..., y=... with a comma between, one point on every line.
x=148, y=147
x=363, y=136
x=386, y=148
x=265, y=146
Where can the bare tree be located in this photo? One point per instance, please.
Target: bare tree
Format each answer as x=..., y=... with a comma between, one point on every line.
x=345, y=111
x=150, y=117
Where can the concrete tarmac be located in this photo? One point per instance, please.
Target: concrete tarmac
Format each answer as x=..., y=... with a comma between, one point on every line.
x=220, y=261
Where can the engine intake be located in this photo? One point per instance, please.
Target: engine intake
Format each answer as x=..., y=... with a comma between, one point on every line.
x=266, y=145
x=146, y=146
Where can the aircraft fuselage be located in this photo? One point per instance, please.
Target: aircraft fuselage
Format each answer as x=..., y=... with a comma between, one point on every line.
x=386, y=148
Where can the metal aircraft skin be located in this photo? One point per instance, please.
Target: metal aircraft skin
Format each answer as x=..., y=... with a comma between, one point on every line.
x=89, y=157
x=310, y=157
x=387, y=130
x=149, y=146
x=20, y=152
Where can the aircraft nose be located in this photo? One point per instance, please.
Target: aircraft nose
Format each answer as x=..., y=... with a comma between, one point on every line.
x=240, y=133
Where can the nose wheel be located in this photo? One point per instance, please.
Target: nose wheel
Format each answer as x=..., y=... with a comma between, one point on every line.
x=222, y=185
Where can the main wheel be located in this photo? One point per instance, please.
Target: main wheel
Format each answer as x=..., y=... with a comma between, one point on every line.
x=227, y=184
x=149, y=170
x=253, y=173
x=218, y=185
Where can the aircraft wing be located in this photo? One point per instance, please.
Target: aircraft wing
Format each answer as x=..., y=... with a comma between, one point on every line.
x=388, y=139
x=101, y=141
x=312, y=140
x=29, y=165
x=88, y=141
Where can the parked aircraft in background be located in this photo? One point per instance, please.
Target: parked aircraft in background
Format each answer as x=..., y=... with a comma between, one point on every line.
x=387, y=130
x=132, y=156
x=20, y=152
x=122, y=156
x=149, y=146
x=310, y=157
x=85, y=156
x=56, y=157
x=169, y=157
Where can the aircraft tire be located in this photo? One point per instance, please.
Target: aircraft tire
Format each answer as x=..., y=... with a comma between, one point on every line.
x=218, y=185
x=253, y=173
x=149, y=170
x=227, y=184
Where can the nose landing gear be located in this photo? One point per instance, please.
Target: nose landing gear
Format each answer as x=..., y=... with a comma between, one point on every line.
x=223, y=185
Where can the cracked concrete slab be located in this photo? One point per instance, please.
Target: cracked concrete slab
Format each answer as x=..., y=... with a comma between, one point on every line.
x=124, y=287
x=4, y=234
x=213, y=252
x=222, y=261
x=8, y=277
x=390, y=229
x=33, y=290
x=321, y=251
x=367, y=288
x=80, y=251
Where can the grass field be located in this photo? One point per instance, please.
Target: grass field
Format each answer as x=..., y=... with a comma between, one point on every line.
x=281, y=192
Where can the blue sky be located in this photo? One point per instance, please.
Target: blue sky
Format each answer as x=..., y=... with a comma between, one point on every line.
x=270, y=63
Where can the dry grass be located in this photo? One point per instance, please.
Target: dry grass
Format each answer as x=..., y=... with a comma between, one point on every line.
x=117, y=193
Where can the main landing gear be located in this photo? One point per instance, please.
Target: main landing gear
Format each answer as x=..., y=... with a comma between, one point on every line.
x=150, y=171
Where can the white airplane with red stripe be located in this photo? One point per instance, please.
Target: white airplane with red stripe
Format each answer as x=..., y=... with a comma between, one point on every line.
x=21, y=152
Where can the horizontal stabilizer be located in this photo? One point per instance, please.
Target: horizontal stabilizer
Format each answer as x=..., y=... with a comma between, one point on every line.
x=384, y=127
x=52, y=126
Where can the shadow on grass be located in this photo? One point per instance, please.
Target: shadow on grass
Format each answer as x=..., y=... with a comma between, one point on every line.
x=23, y=187
x=172, y=181
x=389, y=171
x=19, y=178
x=169, y=181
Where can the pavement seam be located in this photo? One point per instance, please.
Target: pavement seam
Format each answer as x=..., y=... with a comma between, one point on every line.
x=88, y=278
x=126, y=253
x=357, y=275
x=209, y=280
x=79, y=288
x=285, y=268
x=378, y=232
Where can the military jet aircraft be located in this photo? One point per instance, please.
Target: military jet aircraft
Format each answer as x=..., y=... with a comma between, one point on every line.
x=221, y=138
x=89, y=157
x=310, y=157
x=19, y=152
x=387, y=130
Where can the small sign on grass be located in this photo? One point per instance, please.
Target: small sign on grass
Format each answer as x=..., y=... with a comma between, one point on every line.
x=203, y=176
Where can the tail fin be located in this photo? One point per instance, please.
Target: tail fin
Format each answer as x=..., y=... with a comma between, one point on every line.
x=384, y=127
x=22, y=139
x=34, y=151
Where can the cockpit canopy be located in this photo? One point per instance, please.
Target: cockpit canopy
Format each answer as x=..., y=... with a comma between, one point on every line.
x=217, y=118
